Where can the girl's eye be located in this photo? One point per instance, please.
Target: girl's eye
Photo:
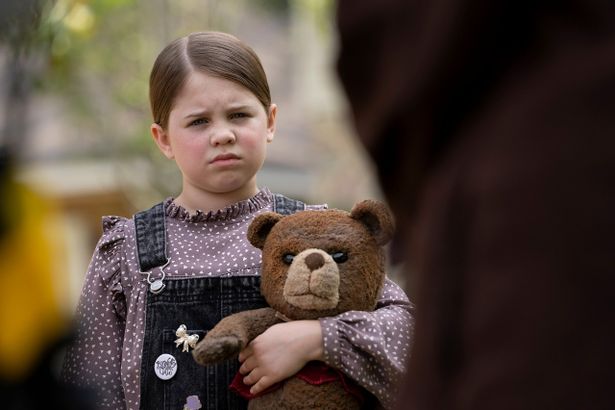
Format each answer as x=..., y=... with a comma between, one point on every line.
x=339, y=257
x=198, y=122
x=239, y=115
x=288, y=258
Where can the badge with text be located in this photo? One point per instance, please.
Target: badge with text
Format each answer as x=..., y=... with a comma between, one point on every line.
x=165, y=366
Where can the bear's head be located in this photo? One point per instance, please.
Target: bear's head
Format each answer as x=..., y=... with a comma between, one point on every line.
x=323, y=262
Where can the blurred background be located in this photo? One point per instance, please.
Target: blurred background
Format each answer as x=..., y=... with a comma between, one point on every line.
x=75, y=142
x=76, y=116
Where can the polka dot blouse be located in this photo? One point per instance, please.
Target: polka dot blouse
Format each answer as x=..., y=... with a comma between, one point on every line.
x=370, y=347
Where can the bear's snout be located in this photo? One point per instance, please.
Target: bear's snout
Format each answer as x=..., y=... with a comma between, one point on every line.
x=314, y=261
x=312, y=281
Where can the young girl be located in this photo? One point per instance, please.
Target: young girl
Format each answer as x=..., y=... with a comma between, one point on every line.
x=187, y=261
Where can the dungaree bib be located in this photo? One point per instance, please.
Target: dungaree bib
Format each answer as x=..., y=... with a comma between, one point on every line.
x=200, y=303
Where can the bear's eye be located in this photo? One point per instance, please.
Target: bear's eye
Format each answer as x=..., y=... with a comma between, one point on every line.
x=339, y=257
x=288, y=258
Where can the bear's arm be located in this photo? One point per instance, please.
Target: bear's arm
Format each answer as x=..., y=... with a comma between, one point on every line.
x=232, y=334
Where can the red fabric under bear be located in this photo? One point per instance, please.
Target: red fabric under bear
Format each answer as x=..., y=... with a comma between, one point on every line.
x=315, y=373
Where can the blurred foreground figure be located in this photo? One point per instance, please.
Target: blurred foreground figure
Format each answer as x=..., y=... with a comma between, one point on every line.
x=492, y=125
x=33, y=327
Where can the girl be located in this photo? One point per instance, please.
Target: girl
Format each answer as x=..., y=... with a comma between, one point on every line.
x=187, y=261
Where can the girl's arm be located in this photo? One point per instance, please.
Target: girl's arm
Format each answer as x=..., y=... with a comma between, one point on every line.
x=369, y=347
x=94, y=358
x=372, y=347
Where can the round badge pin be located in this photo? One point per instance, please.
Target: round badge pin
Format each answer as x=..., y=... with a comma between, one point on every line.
x=165, y=366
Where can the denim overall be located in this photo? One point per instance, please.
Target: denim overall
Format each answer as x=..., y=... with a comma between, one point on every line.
x=199, y=302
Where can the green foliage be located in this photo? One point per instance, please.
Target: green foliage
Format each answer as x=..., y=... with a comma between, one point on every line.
x=95, y=42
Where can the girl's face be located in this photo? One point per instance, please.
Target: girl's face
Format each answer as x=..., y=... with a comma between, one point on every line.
x=217, y=134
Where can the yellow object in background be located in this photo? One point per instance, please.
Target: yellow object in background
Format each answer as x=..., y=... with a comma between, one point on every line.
x=31, y=316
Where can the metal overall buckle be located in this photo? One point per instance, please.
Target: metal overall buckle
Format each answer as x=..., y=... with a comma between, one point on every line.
x=157, y=285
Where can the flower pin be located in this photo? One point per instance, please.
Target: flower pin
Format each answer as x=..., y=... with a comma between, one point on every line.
x=189, y=341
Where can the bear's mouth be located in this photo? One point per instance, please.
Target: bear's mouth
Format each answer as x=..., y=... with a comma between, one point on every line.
x=312, y=286
x=311, y=301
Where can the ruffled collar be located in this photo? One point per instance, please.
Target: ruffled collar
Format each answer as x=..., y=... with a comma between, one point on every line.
x=245, y=207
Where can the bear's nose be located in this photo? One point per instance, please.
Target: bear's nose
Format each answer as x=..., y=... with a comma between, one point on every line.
x=314, y=261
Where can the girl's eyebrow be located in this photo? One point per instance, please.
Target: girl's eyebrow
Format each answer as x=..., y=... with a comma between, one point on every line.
x=238, y=107
x=196, y=114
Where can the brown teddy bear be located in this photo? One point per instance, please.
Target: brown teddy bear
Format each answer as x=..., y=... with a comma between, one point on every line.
x=315, y=264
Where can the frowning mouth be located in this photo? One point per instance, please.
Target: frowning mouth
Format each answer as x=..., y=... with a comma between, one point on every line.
x=222, y=158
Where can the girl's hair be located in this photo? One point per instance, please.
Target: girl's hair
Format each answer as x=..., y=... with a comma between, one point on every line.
x=217, y=54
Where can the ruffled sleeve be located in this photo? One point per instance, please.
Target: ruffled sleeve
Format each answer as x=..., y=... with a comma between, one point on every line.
x=372, y=347
x=110, y=261
x=94, y=358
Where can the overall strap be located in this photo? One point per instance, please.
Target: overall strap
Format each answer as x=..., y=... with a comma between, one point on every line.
x=286, y=206
x=151, y=231
x=151, y=238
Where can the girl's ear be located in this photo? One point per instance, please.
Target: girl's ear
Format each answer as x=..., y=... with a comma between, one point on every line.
x=273, y=110
x=162, y=140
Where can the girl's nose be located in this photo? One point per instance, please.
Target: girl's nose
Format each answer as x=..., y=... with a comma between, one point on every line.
x=222, y=136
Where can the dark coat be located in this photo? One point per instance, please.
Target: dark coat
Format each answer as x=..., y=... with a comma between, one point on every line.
x=492, y=127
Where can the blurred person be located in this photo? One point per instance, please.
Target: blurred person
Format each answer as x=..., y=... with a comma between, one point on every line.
x=34, y=325
x=492, y=127
x=187, y=260
x=35, y=329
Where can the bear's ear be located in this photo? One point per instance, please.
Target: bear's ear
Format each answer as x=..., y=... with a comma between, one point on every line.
x=261, y=226
x=376, y=216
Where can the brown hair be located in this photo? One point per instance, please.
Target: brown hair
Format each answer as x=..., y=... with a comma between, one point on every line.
x=218, y=54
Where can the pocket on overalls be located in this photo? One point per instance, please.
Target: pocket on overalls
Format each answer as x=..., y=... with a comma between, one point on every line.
x=194, y=385
x=187, y=383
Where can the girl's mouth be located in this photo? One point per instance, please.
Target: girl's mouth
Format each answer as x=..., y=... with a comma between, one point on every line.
x=224, y=158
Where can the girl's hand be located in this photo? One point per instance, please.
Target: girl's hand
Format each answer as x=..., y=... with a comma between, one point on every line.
x=279, y=352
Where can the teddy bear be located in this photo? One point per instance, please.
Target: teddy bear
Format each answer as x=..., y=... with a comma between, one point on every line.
x=315, y=263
